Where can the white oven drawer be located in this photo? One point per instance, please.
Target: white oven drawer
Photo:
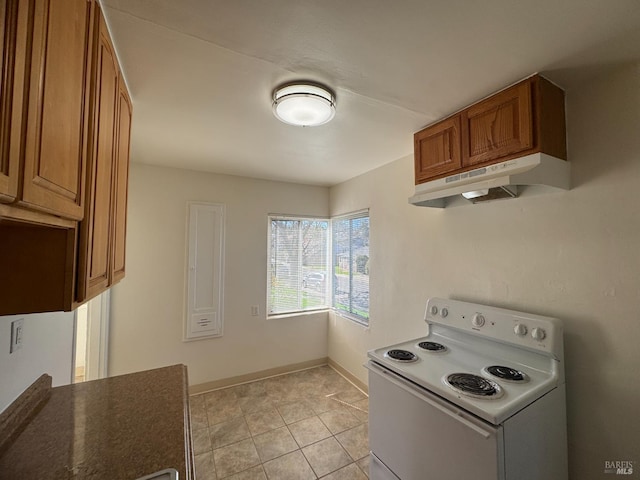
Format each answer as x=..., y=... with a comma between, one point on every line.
x=378, y=470
x=420, y=436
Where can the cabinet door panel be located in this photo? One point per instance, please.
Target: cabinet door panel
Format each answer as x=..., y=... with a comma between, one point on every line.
x=498, y=126
x=121, y=176
x=95, y=241
x=55, y=150
x=9, y=163
x=437, y=149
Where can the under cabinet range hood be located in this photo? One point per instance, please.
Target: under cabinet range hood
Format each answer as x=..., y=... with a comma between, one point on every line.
x=500, y=180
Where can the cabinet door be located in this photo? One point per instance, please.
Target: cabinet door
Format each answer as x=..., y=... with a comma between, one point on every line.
x=499, y=126
x=9, y=162
x=121, y=182
x=57, y=129
x=437, y=149
x=96, y=228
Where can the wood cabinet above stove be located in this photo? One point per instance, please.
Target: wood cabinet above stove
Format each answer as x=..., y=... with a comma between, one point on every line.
x=520, y=120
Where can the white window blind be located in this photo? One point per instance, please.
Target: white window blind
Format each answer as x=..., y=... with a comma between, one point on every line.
x=298, y=264
x=350, y=234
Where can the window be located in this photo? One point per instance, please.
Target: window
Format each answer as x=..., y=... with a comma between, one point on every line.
x=304, y=276
x=298, y=265
x=351, y=266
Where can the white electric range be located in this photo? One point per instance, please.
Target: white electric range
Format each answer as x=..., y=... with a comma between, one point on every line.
x=480, y=396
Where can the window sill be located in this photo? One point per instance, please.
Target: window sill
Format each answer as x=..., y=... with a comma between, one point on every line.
x=354, y=320
x=278, y=316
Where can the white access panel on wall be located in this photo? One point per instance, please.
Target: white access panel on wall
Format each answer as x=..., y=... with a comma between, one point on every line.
x=205, y=240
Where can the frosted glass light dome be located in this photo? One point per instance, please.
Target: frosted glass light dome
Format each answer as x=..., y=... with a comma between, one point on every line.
x=303, y=104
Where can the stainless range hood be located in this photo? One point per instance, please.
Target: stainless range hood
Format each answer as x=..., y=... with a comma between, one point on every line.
x=501, y=180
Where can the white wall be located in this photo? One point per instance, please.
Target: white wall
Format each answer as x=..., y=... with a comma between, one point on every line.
x=148, y=304
x=572, y=255
x=81, y=337
x=47, y=348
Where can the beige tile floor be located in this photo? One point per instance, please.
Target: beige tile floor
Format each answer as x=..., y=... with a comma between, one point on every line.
x=303, y=425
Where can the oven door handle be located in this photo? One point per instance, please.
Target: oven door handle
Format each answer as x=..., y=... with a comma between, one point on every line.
x=398, y=381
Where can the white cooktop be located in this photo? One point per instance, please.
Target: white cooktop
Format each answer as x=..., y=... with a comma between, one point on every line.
x=471, y=348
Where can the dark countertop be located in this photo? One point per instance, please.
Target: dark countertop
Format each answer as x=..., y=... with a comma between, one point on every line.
x=121, y=427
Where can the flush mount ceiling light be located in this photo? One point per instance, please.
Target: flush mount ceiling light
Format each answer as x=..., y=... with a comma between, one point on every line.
x=304, y=104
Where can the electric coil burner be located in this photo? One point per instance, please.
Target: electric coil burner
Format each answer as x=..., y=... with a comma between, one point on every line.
x=492, y=407
x=507, y=374
x=473, y=385
x=401, y=355
x=432, y=347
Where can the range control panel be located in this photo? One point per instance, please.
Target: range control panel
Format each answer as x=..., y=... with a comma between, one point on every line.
x=509, y=326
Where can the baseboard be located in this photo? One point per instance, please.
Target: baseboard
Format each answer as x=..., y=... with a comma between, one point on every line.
x=273, y=372
x=262, y=374
x=348, y=375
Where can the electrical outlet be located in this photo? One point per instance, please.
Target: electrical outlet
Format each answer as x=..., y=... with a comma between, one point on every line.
x=255, y=310
x=17, y=334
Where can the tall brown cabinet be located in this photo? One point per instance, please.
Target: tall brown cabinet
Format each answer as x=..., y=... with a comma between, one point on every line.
x=65, y=118
x=96, y=229
x=121, y=181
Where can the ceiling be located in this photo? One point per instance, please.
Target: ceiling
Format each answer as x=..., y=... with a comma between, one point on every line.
x=201, y=72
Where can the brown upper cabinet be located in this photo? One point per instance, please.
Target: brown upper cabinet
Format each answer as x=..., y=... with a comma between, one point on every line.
x=437, y=149
x=65, y=118
x=96, y=228
x=102, y=232
x=498, y=126
x=49, y=53
x=121, y=176
x=523, y=119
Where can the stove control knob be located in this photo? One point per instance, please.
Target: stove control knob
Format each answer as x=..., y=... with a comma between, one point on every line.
x=444, y=312
x=478, y=320
x=538, y=334
x=434, y=310
x=520, y=329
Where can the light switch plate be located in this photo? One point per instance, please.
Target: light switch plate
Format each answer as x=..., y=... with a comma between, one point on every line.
x=17, y=334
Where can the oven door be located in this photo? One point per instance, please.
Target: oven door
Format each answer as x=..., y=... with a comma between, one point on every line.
x=420, y=436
